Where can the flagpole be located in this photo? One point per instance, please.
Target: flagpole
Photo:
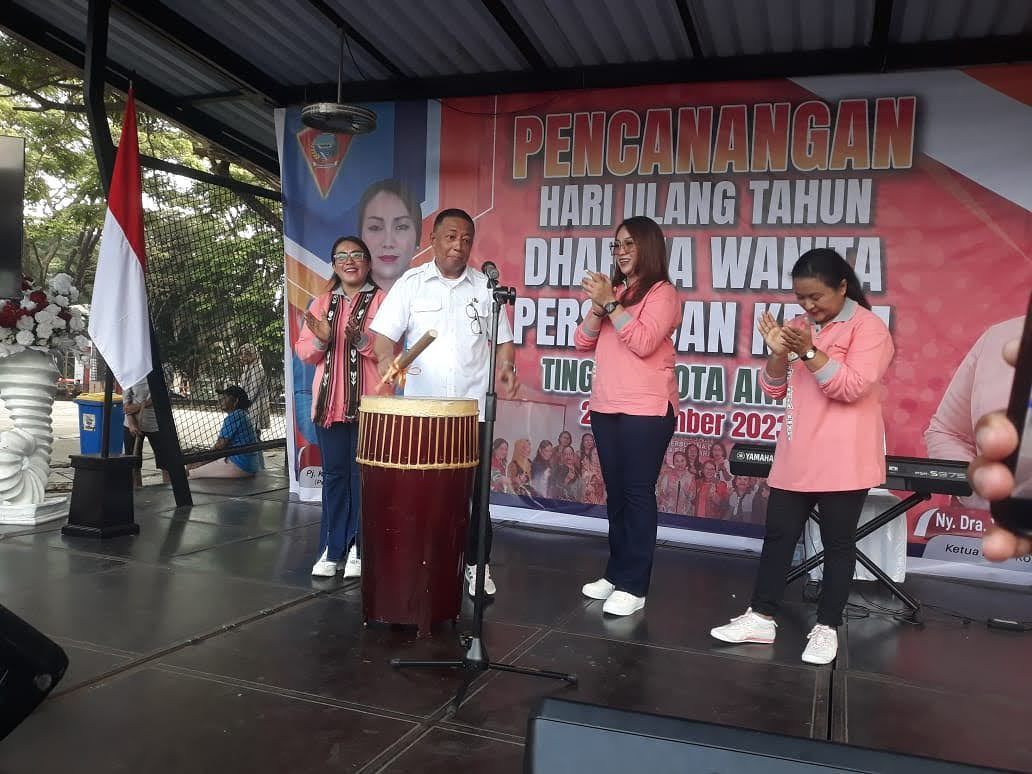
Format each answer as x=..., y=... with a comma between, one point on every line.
x=102, y=487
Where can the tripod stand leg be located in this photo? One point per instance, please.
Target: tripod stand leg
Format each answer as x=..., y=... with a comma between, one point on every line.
x=567, y=676
x=401, y=663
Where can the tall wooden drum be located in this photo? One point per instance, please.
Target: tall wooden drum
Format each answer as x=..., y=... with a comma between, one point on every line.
x=418, y=457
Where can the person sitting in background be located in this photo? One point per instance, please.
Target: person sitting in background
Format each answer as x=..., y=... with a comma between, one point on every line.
x=237, y=430
x=980, y=385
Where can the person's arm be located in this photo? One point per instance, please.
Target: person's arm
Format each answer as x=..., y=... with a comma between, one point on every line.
x=659, y=313
x=950, y=435
x=863, y=366
x=585, y=338
x=309, y=347
x=384, y=350
x=505, y=370
x=774, y=374
x=389, y=325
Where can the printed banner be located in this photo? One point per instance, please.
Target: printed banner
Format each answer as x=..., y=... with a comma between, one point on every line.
x=921, y=180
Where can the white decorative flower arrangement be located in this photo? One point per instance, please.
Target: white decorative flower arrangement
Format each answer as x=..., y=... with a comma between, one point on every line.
x=43, y=320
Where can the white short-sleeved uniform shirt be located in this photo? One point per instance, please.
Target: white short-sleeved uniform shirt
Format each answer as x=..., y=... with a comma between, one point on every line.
x=456, y=364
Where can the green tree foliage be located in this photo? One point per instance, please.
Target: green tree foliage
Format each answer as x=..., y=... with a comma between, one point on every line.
x=215, y=271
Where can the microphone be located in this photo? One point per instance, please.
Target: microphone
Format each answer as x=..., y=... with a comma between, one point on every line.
x=490, y=270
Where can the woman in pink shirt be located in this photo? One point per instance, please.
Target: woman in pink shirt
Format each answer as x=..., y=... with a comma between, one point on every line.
x=335, y=336
x=827, y=366
x=633, y=400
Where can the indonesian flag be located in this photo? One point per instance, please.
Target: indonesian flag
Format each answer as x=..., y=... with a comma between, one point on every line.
x=119, y=319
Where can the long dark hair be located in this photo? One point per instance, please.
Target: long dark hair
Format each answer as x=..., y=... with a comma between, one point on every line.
x=824, y=264
x=335, y=280
x=397, y=188
x=652, y=264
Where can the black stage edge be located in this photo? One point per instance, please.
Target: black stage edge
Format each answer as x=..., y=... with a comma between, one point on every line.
x=102, y=497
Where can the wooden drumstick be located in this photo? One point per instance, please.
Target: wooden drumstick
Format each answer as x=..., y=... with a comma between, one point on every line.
x=404, y=360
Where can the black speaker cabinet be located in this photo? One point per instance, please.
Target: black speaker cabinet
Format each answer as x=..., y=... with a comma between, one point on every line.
x=565, y=737
x=30, y=667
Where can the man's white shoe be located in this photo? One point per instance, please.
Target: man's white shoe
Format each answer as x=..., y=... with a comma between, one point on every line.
x=325, y=568
x=471, y=580
x=748, y=627
x=353, y=566
x=600, y=589
x=822, y=646
x=622, y=603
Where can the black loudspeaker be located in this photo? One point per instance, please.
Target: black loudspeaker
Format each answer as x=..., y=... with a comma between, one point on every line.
x=566, y=736
x=30, y=667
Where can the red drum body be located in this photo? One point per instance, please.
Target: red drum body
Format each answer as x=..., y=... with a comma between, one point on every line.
x=418, y=457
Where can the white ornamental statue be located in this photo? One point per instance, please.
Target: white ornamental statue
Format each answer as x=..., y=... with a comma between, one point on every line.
x=33, y=331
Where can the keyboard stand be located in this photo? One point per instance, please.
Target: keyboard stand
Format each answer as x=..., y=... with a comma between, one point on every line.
x=863, y=531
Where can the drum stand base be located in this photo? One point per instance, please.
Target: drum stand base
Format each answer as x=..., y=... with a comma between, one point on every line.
x=475, y=660
x=474, y=663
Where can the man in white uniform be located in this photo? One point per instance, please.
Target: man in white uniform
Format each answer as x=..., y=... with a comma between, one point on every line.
x=451, y=297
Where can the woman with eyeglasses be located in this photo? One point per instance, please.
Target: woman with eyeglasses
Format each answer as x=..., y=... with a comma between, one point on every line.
x=633, y=402
x=336, y=338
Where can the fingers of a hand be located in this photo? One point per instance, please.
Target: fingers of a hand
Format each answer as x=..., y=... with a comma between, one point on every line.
x=1010, y=352
x=992, y=480
x=999, y=545
x=996, y=436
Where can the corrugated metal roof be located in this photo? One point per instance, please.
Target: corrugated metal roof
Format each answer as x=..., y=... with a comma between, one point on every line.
x=291, y=46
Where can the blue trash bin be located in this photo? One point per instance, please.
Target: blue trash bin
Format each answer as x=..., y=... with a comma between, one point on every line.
x=91, y=413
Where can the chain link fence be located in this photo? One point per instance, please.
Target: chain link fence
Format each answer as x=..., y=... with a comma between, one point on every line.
x=215, y=284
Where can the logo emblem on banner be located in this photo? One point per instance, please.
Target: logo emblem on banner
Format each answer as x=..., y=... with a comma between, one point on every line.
x=324, y=153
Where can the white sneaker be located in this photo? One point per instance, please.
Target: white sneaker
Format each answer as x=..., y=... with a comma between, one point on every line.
x=325, y=568
x=600, y=589
x=471, y=578
x=353, y=565
x=622, y=603
x=748, y=627
x=822, y=646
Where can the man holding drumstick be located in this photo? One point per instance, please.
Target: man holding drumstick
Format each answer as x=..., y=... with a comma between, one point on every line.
x=450, y=297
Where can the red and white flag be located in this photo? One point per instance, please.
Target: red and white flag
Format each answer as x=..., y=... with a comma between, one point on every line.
x=119, y=319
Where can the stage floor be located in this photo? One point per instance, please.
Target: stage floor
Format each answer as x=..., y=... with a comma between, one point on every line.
x=203, y=645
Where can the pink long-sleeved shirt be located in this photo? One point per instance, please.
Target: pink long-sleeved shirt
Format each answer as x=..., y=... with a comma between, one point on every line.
x=309, y=350
x=833, y=436
x=634, y=364
x=980, y=385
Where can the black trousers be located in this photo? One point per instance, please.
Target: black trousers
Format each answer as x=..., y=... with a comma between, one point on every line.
x=787, y=513
x=473, y=533
x=129, y=444
x=630, y=452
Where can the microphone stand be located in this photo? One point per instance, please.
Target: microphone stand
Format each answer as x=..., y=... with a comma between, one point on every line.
x=475, y=660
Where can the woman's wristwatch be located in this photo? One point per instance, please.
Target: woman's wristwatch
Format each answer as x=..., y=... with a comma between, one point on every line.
x=609, y=308
x=810, y=354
